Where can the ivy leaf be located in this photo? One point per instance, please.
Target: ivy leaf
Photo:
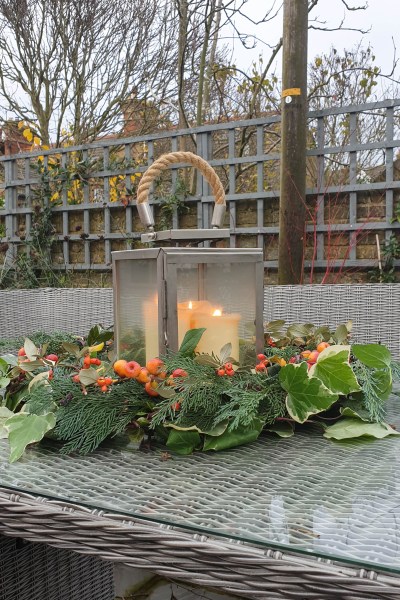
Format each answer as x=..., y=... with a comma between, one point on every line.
x=225, y=352
x=239, y=436
x=215, y=431
x=342, y=333
x=88, y=376
x=354, y=408
x=353, y=428
x=183, y=442
x=206, y=360
x=4, y=381
x=372, y=355
x=10, y=359
x=31, y=350
x=281, y=428
x=24, y=429
x=333, y=369
x=73, y=349
x=306, y=395
x=5, y=414
x=190, y=341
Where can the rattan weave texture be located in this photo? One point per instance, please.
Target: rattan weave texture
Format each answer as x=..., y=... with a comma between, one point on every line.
x=373, y=308
x=30, y=571
x=302, y=495
x=241, y=570
x=72, y=310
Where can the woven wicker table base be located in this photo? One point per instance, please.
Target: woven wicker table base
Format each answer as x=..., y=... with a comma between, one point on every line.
x=239, y=569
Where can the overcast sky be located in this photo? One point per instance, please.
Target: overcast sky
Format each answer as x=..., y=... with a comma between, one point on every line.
x=382, y=17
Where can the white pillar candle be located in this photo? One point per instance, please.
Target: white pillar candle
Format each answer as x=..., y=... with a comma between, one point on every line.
x=150, y=320
x=220, y=330
x=186, y=315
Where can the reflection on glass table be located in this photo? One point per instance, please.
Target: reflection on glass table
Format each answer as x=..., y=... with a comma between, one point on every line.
x=304, y=494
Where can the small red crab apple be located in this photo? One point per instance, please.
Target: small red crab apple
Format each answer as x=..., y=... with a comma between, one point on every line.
x=52, y=357
x=132, y=369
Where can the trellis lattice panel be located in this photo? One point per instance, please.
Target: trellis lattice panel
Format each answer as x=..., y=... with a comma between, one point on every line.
x=353, y=187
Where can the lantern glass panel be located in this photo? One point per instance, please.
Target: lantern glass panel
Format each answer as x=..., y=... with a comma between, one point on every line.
x=220, y=297
x=137, y=309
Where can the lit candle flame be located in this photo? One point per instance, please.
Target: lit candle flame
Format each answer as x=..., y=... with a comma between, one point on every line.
x=190, y=306
x=217, y=313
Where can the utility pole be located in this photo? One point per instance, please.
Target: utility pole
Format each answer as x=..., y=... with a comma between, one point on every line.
x=292, y=209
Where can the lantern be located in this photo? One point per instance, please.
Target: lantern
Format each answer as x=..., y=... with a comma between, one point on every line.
x=162, y=293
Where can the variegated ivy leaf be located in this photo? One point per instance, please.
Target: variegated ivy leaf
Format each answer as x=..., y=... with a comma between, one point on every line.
x=5, y=414
x=306, y=395
x=334, y=370
x=24, y=429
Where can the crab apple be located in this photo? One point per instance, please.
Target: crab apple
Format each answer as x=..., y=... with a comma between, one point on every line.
x=143, y=376
x=305, y=354
x=221, y=372
x=154, y=366
x=322, y=345
x=260, y=367
x=151, y=387
x=261, y=357
x=312, y=359
x=86, y=362
x=119, y=367
x=132, y=369
x=21, y=352
x=52, y=357
x=230, y=372
x=179, y=373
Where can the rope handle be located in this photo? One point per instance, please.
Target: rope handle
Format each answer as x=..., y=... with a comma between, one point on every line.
x=166, y=160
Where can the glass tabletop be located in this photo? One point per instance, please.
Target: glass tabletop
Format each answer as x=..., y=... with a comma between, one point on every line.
x=305, y=494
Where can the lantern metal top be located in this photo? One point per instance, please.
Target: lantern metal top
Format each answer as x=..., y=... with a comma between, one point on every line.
x=178, y=235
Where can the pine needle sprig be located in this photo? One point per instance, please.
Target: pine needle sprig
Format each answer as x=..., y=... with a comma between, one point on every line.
x=84, y=422
x=395, y=368
x=199, y=395
x=371, y=399
x=252, y=396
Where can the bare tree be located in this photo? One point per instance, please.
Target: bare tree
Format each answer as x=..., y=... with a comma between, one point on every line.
x=72, y=64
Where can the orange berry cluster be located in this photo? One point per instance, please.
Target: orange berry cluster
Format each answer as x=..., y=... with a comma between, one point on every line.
x=104, y=382
x=263, y=362
x=226, y=369
x=150, y=375
x=312, y=355
x=87, y=362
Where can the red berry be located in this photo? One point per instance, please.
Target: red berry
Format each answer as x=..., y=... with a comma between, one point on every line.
x=51, y=374
x=230, y=372
x=76, y=379
x=260, y=367
x=86, y=362
x=179, y=373
x=292, y=360
x=228, y=367
x=221, y=372
x=104, y=388
x=52, y=357
x=21, y=352
x=261, y=357
x=176, y=406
